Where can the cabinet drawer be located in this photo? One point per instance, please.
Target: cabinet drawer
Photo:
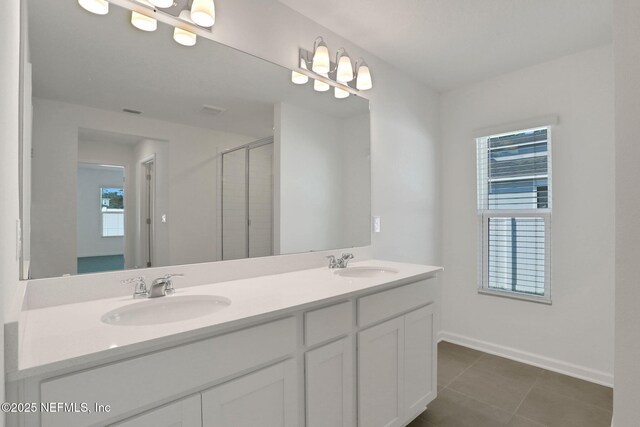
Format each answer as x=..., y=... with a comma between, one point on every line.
x=326, y=323
x=134, y=385
x=386, y=304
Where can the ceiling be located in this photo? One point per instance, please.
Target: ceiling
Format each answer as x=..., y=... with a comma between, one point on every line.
x=104, y=62
x=450, y=43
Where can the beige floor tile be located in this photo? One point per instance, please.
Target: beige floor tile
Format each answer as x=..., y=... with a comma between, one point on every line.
x=555, y=410
x=595, y=394
x=453, y=409
x=501, y=391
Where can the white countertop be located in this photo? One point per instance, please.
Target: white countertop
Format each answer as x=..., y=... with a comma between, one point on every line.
x=65, y=336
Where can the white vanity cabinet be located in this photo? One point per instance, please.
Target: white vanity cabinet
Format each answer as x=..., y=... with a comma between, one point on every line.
x=329, y=385
x=366, y=360
x=396, y=356
x=396, y=371
x=264, y=398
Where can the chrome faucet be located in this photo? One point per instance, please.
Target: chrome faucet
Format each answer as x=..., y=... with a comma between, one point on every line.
x=159, y=287
x=163, y=286
x=341, y=262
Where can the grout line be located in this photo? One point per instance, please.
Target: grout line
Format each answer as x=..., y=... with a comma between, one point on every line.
x=525, y=396
x=463, y=371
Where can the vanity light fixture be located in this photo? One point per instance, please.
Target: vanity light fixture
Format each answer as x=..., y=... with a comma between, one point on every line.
x=203, y=13
x=99, y=7
x=143, y=22
x=196, y=13
x=349, y=79
x=182, y=36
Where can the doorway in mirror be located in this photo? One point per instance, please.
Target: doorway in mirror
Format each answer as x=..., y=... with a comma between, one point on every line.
x=100, y=213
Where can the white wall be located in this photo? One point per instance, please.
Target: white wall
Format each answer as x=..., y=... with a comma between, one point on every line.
x=190, y=176
x=356, y=179
x=575, y=334
x=90, y=240
x=309, y=146
x=9, y=81
x=626, y=410
x=323, y=180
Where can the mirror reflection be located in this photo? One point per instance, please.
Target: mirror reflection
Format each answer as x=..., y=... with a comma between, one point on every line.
x=140, y=152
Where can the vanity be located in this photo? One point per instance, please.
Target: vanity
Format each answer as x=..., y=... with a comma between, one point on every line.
x=143, y=157
x=316, y=347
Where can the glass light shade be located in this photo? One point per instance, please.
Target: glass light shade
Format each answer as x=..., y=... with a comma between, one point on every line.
x=162, y=3
x=363, y=81
x=319, y=86
x=143, y=22
x=99, y=7
x=340, y=93
x=344, y=73
x=321, y=62
x=203, y=13
x=298, y=78
x=184, y=37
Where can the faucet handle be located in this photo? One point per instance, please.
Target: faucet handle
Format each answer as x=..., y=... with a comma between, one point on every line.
x=169, y=289
x=140, y=290
x=333, y=263
x=344, y=260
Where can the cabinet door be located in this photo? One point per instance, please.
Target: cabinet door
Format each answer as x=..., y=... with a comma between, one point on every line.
x=329, y=385
x=380, y=374
x=266, y=398
x=184, y=413
x=419, y=360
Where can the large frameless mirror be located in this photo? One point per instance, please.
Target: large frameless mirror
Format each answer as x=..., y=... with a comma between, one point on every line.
x=140, y=152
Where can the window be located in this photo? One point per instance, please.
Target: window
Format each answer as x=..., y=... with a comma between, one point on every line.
x=112, y=211
x=514, y=209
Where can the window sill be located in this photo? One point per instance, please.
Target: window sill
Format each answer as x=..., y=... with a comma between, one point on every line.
x=515, y=295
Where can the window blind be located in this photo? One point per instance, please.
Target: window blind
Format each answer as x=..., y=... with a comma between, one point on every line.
x=514, y=207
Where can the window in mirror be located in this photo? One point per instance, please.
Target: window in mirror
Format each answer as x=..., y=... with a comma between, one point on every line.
x=112, y=208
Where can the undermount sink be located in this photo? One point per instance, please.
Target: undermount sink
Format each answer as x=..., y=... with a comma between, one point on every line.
x=365, y=271
x=166, y=309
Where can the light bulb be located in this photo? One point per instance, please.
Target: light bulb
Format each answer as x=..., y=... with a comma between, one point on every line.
x=162, y=3
x=319, y=86
x=363, y=81
x=184, y=37
x=143, y=22
x=340, y=93
x=99, y=7
x=344, y=74
x=203, y=13
x=321, y=62
x=299, y=78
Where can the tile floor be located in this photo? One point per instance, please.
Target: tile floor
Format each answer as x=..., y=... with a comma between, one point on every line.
x=477, y=389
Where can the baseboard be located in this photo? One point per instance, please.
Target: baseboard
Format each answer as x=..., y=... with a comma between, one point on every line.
x=547, y=363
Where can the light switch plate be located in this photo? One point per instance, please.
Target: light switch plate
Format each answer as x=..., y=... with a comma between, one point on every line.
x=376, y=224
